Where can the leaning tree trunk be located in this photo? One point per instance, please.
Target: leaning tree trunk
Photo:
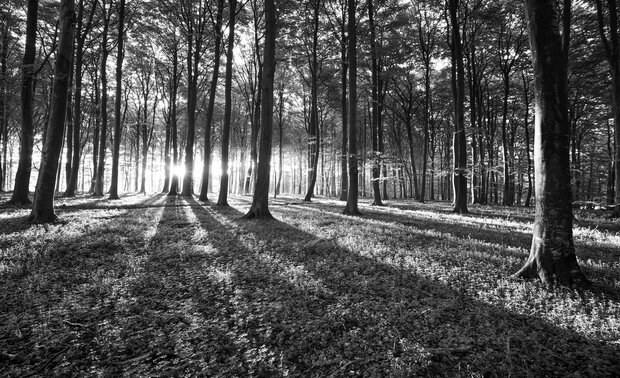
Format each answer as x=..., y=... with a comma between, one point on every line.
x=43, y=208
x=22, y=177
x=260, y=200
x=351, y=207
x=552, y=255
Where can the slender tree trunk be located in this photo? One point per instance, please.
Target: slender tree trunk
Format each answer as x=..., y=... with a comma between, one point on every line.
x=206, y=167
x=552, y=255
x=117, y=103
x=22, y=177
x=344, y=180
x=43, y=207
x=374, y=120
x=99, y=183
x=260, y=200
x=174, y=183
x=223, y=196
x=351, y=207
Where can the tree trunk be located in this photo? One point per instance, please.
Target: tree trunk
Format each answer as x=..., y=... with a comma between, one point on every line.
x=374, y=120
x=351, y=207
x=552, y=255
x=117, y=103
x=174, y=182
x=22, y=177
x=43, y=208
x=344, y=181
x=223, y=196
x=260, y=199
x=99, y=182
x=206, y=167
x=460, y=144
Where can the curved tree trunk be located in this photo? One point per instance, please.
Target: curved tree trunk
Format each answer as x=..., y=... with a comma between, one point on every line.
x=43, y=207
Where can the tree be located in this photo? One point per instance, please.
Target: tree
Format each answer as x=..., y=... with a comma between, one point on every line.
x=552, y=255
x=206, y=168
x=374, y=123
x=22, y=178
x=43, y=207
x=223, y=197
x=117, y=102
x=81, y=32
x=351, y=208
x=458, y=89
x=103, y=108
x=260, y=199
x=611, y=44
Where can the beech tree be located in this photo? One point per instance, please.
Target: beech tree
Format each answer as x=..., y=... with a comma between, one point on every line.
x=260, y=199
x=351, y=208
x=117, y=101
x=552, y=255
x=43, y=207
x=22, y=178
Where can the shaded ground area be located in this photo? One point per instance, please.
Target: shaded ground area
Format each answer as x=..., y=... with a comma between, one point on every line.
x=161, y=286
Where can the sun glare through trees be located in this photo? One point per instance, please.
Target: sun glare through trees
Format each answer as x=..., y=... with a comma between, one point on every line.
x=309, y=188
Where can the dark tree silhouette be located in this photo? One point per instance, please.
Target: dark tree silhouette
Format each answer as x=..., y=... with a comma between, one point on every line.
x=116, y=151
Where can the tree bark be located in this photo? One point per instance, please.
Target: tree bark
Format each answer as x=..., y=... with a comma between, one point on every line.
x=206, y=168
x=552, y=255
x=351, y=207
x=117, y=103
x=43, y=207
x=459, y=144
x=223, y=196
x=22, y=177
x=100, y=176
x=260, y=199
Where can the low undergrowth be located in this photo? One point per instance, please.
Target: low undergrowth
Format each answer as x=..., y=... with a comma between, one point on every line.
x=169, y=286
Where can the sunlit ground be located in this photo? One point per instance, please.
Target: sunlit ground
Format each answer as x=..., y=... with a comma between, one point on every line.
x=162, y=285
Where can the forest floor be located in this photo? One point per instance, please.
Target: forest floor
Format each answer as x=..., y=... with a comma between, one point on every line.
x=169, y=286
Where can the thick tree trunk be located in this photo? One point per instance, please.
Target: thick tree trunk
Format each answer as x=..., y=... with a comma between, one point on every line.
x=22, y=177
x=117, y=103
x=351, y=207
x=43, y=207
x=223, y=196
x=459, y=144
x=260, y=200
x=552, y=255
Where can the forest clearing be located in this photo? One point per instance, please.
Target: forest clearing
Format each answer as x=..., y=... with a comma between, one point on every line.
x=169, y=286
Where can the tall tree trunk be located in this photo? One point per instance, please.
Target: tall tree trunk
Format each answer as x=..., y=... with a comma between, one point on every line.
x=351, y=207
x=223, y=196
x=344, y=180
x=117, y=103
x=100, y=176
x=206, y=167
x=22, y=177
x=460, y=144
x=314, y=135
x=43, y=207
x=374, y=120
x=280, y=139
x=260, y=200
x=552, y=255
x=174, y=183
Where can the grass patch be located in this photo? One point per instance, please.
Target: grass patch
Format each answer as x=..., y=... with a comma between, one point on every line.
x=159, y=286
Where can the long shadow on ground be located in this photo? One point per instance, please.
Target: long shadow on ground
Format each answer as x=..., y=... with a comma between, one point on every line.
x=308, y=306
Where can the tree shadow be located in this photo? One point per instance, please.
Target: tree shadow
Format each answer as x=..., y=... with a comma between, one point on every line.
x=330, y=310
